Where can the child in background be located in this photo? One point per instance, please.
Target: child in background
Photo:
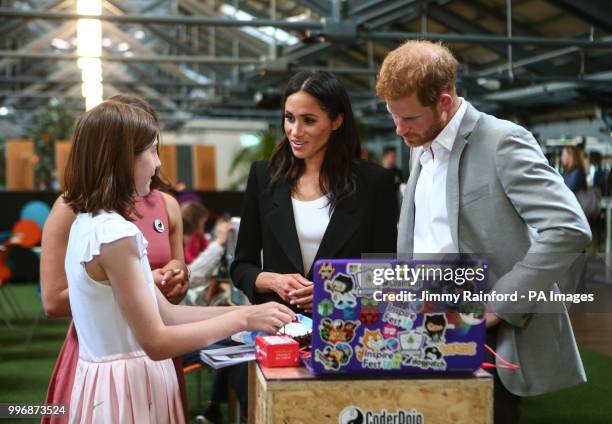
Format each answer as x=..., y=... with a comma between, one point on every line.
x=194, y=220
x=127, y=330
x=202, y=261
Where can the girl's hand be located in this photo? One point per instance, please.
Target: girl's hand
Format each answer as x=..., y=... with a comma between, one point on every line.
x=222, y=232
x=302, y=298
x=268, y=317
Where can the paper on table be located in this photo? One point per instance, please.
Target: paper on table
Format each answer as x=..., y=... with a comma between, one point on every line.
x=224, y=357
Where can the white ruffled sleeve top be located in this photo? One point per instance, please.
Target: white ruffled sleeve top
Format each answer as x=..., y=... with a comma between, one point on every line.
x=101, y=328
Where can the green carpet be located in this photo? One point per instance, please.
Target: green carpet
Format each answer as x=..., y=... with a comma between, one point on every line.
x=24, y=374
x=589, y=403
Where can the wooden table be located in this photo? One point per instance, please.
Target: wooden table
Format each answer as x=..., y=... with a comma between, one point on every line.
x=294, y=395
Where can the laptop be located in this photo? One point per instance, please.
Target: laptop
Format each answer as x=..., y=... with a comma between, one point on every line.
x=390, y=316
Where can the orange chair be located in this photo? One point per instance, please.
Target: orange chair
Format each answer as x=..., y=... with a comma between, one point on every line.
x=25, y=234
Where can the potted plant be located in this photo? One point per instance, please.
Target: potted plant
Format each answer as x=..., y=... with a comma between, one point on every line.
x=49, y=124
x=268, y=139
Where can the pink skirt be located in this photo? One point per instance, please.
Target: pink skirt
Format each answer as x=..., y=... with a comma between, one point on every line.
x=62, y=378
x=125, y=388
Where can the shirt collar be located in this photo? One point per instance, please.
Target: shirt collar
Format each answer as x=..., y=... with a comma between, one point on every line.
x=447, y=136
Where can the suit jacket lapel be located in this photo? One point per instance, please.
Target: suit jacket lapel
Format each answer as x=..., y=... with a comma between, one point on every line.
x=341, y=227
x=452, y=177
x=283, y=224
x=405, y=238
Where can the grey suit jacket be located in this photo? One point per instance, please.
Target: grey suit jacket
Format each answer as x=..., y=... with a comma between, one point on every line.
x=507, y=204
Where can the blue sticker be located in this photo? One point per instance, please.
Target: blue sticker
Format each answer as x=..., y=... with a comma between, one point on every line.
x=349, y=314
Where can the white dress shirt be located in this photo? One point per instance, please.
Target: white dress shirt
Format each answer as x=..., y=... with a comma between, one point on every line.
x=432, y=232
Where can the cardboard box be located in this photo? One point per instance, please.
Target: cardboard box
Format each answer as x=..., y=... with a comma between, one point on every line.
x=276, y=351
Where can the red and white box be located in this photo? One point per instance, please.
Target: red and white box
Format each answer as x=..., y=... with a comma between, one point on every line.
x=276, y=351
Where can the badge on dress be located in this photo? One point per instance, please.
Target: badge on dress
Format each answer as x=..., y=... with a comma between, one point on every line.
x=159, y=225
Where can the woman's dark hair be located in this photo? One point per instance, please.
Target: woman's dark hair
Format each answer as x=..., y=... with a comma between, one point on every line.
x=336, y=177
x=100, y=170
x=159, y=180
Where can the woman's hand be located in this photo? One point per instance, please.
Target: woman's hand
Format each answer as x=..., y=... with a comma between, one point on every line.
x=287, y=283
x=302, y=298
x=172, y=281
x=268, y=317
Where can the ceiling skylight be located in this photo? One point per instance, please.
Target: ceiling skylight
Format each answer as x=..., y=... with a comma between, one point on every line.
x=265, y=34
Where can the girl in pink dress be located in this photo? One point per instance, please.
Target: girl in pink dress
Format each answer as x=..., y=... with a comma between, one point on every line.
x=127, y=330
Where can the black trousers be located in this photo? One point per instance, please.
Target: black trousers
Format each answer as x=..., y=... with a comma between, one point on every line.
x=506, y=405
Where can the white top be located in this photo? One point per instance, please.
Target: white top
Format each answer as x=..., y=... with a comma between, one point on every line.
x=311, y=219
x=431, y=229
x=101, y=328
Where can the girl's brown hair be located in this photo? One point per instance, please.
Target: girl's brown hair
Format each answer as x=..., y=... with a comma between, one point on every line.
x=159, y=180
x=192, y=213
x=100, y=170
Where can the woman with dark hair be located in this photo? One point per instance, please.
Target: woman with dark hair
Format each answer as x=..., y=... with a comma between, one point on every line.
x=313, y=199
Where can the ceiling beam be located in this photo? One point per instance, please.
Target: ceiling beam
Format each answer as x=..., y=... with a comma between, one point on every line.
x=165, y=20
x=594, y=12
x=42, y=42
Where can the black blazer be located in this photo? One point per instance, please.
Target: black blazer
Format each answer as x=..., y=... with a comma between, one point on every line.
x=364, y=223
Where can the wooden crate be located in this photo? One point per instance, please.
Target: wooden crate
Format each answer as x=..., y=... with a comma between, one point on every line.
x=20, y=165
x=167, y=156
x=293, y=395
x=204, y=168
x=62, y=152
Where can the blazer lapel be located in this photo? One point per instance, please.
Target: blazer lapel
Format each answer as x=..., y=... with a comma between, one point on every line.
x=283, y=225
x=341, y=227
x=405, y=237
x=452, y=177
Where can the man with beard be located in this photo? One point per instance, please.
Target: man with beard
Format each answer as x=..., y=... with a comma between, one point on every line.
x=481, y=185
